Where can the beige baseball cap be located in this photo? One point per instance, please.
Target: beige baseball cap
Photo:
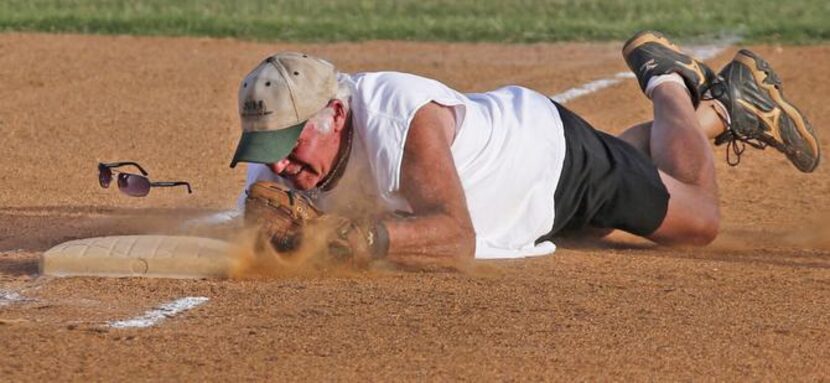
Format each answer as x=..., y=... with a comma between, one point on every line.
x=275, y=101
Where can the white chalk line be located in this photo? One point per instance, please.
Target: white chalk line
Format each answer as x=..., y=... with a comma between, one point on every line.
x=703, y=52
x=153, y=317
x=591, y=87
x=220, y=218
x=9, y=297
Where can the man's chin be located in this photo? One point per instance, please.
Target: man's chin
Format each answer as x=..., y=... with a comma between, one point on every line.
x=303, y=183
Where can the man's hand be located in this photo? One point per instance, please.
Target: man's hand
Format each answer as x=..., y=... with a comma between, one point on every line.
x=356, y=242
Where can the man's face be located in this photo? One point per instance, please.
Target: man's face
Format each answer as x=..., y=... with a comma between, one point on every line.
x=311, y=159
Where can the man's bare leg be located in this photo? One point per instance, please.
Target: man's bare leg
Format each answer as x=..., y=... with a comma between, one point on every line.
x=711, y=124
x=680, y=149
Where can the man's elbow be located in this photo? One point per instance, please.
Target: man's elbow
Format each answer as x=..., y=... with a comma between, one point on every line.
x=465, y=242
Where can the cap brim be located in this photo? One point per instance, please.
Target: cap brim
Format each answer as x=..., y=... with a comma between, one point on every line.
x=266, y=147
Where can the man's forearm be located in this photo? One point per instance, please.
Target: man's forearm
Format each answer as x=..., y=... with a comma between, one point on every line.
x=429, y=237
x=441, y=229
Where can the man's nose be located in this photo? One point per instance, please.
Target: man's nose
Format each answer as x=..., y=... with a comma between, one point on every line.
x=278, y=167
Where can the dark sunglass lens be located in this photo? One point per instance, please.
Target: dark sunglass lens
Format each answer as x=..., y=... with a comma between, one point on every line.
x=104, y=176
x=133, y=185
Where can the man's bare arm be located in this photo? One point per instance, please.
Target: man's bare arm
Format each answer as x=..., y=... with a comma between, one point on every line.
x=440, y=228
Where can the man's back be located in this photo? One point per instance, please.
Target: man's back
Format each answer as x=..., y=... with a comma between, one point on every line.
x=508, y=150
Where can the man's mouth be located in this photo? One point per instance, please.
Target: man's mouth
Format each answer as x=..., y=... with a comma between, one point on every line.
x=292, y=170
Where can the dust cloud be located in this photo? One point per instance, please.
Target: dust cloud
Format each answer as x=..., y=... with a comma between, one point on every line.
x=253, y=257
x=813, y=232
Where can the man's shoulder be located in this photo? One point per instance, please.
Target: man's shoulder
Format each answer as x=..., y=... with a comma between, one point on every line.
x=388, y=76
x=397, y=94
x=394, y=84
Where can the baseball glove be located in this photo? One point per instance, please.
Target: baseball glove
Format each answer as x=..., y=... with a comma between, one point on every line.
x=280, y=213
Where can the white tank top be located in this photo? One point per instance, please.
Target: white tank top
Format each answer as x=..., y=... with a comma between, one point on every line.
x=508, y=150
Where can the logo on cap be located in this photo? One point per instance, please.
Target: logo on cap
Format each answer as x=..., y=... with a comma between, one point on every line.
x=254, y=108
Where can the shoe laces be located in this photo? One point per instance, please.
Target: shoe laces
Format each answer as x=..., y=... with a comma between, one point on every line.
x=736, y=145
x=735, y=142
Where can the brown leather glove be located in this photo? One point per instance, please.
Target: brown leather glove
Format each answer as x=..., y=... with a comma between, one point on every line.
x=279, y=213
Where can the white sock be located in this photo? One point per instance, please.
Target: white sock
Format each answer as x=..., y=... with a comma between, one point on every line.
x=655, y=81
x=720, y=109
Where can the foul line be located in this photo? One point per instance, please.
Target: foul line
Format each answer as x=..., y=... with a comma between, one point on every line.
x=590, y=87
x=704, y=52
x=9, y=297
x=219, y=218
x=153, y=317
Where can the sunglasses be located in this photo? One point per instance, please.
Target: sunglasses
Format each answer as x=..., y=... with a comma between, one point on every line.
x=132, y=184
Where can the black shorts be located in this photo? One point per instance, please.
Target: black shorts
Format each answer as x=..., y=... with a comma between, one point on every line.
x=605, y=183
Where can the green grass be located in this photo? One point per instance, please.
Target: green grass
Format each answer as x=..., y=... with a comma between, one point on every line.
x=796, y=21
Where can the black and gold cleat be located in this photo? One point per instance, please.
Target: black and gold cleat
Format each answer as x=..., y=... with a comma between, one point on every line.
x=761, y=116
x=650, y=54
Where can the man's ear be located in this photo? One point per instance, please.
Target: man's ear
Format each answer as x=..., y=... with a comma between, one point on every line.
x=340, y=116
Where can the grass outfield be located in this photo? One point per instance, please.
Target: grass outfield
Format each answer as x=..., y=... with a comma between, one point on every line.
x=797, y=21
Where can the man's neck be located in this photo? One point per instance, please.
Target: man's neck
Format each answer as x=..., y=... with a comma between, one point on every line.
x=342, y=159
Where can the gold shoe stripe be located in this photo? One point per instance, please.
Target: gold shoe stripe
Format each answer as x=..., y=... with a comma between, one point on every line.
x=769, y=118
x=791, y=111
x=695, y=67
x=648, y=38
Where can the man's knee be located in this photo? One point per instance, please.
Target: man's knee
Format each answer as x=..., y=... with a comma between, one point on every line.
x=705, y=230
x=698, y=229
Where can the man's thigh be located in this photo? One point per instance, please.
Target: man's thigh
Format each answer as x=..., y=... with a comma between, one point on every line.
x=606, y=183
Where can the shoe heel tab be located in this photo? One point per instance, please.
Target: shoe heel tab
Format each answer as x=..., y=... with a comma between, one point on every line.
x=647, y=36
x=747, y=53
x=625, y=47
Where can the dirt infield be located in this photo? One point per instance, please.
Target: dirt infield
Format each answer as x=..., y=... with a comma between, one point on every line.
x=754, y=305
